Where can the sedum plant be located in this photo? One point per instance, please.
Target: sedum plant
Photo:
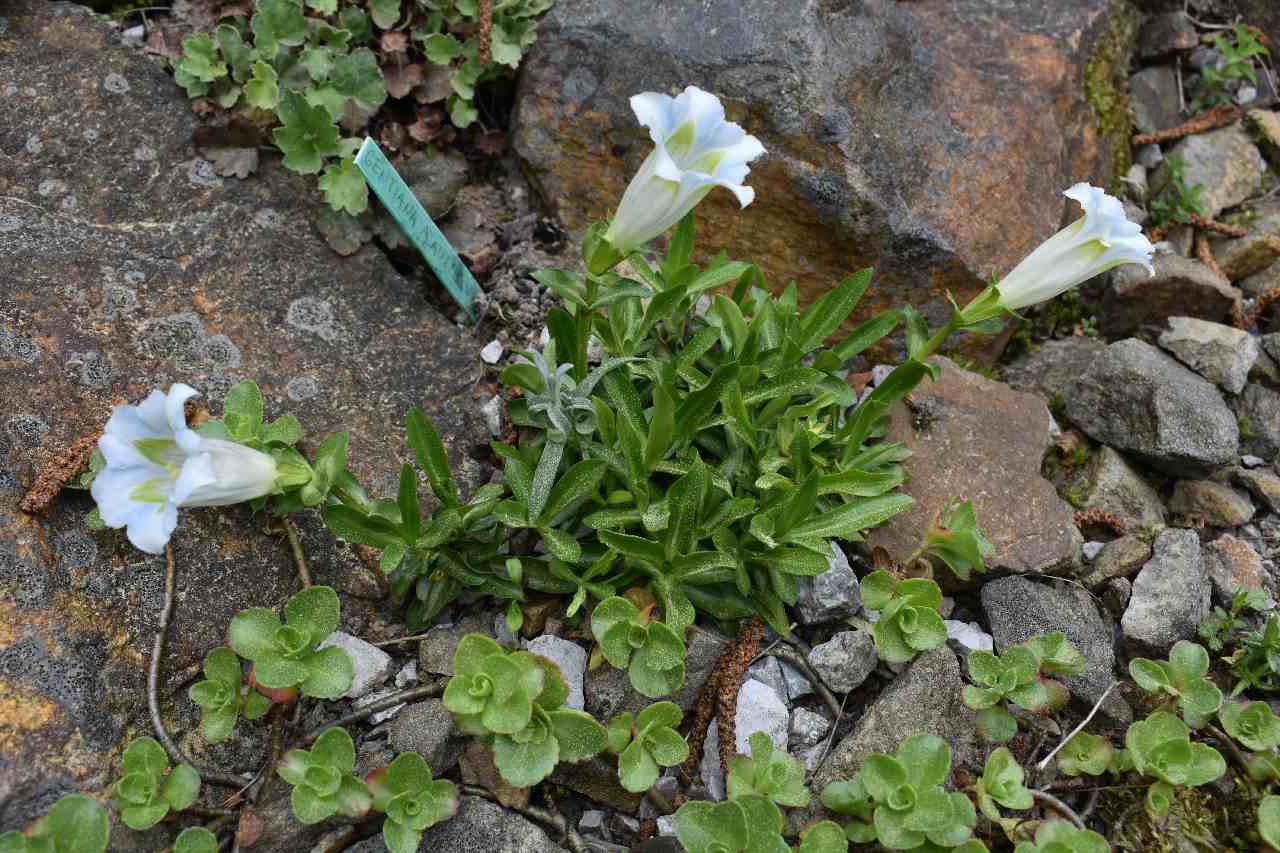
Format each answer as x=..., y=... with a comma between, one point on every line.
x=1059, y=836
x=1086, y=753
x=749, y=824
x=911, y=806
x=646, y=742
x=321, y=778
x=1182, y=679
x=1161, y=747
x=849, y=797
x=285, y=654
x=147, y=789
x=411, y=800
x=1253, y=725
x=651, y=652
x=909, y=620
x=1019, y=676
x=823, y=837
x=515, y=700
x=769, y=772
x=1002, y=783
x=195, y=839
x=75, y=824
x=222, y=698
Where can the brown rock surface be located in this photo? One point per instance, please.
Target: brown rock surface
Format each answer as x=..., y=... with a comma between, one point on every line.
x=125, y=265
x=897, y=137
x=975, y=439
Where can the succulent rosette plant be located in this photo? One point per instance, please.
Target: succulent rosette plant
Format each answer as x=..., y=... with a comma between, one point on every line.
x=411, y=800
x=287, y=654
x=223, y=698
x=321, y=778
x=148, y=790
x=649, y=650
x=646, y=742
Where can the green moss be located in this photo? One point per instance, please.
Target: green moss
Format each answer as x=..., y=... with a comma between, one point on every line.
x=1246, y=428
x=1106, y=88
x=1080, y=455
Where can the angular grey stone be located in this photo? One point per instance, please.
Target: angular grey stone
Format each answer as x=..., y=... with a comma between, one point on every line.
x=1053, y=366
x=1211, y=504
x=1222, y=354
x=1170, y=595
x=831, y=595
x=845, y=661
x=572, y=660
x=1166, y=33
x=924, y=699
x=1258, y=410
x=1090, y=550
x=1224, y=161
x=1232, y=563
x=760, y=709
x=1119, y=558
x=609, y=692
x=1133, y=299
x=1153, y=94
x=768, y=671
x=1271, y=344
x=808, y=728
x=482, y=825
x=1020, y=608
x=1264, y=485
x=427, y=729
x=372, y=665
x=1139, y=400
x=1110, y=484
x=797, y=685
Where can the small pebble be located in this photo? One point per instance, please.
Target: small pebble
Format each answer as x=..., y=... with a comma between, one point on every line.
x=1091, y=550
x=1252, y=461
x=407, y=675
x=492, y=352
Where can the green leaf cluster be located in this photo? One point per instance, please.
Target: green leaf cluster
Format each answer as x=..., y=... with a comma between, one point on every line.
x=515, y=700
x=748, y=824
x=1238, y=49
x=322, y=782
x=1253, y=725
x=195, y=839
x=954, y=538
x=1182, y=679
x=1059, y=836
x=1222, y=626
x=222, y=698
x=75, y=824
x=1086, y=753
x=1256, y=663
x=1019, y=676
x=1177, y=202
x=411, y=800
x=147, y=789
x=285, y=654
x=646, y=742
x=909, y=620
x=651, y=652
x=769, y=772
x=1161, y=747
x=1002, y=783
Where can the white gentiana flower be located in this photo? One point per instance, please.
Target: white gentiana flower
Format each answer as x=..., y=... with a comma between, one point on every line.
x=156, y=464
x=695, y=149
x=1101, y=239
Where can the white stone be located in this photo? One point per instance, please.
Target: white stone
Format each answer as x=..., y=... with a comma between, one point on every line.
x=407, y=675
x=492, y=352
x=1252, y=461
x=572, y=660
x=760, y=709
x=667, y=825
x=969, y=635
x=492, y=412
x=1091, y=550
x=372, y=665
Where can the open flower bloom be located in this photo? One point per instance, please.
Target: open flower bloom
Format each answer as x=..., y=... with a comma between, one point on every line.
x=156, y=464
x=1101, y=239
x=695, y=149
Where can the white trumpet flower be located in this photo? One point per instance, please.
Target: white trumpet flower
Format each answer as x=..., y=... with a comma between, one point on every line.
x=156, y=464
x=1101, y=239
x=695, y=149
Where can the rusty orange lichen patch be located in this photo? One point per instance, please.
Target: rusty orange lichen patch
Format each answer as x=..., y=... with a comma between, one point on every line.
x=9, y=633
x=21, y=712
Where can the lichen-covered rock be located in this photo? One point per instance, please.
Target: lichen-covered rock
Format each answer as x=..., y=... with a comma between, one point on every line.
x=1211, y=504
x=1224, y=161
x=1258, y=411
x=427, y=728
x=974, y=439
x=1139, y=400
x=1119, y=558
x=1109, y=483
x=1232, y=564
x=1170, y=595
x=127, y=264
x=858, y=105
x=1264, y=485
x=1220, y=353
x=1133, y=299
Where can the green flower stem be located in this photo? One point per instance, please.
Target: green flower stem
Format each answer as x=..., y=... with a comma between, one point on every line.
x=950, y=327
x=153, y=685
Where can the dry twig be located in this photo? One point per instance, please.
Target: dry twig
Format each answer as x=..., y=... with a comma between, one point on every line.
x=1206, y=257
x=1223, y=228
x=1058, y=806
x=59, y=469
x=295, y=546
x=1044, y=762
x=420, y=692
x=1213, y=119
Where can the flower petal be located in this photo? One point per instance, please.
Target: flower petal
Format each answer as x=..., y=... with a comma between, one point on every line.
x=178, y=395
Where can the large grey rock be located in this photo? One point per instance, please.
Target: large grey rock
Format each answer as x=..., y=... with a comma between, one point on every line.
x=1020, y=608
x=1252, y=254
x=1139, y=400
x=126, y=265
x=760, y=709
x=570, y=657
x=1224, y=161
x=1220, y=353
x=924, y=699
x=1258, y=410
x=1052, y=366
x=1109, y=483
x=1170, y=595
x=845, y=661
x=1210, y=504
x=869, y=164
x=1134, y=299
x=609, y=692
x=427, y=729
x=1153, y=93
x=831, y=595
x=482, y=825
x=964, y=430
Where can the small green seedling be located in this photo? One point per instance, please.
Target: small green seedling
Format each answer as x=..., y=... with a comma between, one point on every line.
x=411, y=800
x=1001, y=783
x=1269, y=820
x=492, y=691
x=646, y=742
x=823, y=837
x=75, y=824
x=285, y=655
x=1016, y=677
x=1220, y=628
x=1058, y=836
x=650, y=651
x=909, y=621
x=911, y=807
x=196, y=839
x=1256, y=664
x=1086, y=753
x=769, y=772
x=849, y=797
x=321, y=778
x=1254, y=725
x=1183, y=680
x=1161, y=747
x=147, y=789
x=954, y=538
x=222, y=698
x=749, y=824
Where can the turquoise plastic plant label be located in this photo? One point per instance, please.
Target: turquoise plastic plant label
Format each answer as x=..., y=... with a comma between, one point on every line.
x=417, y=225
